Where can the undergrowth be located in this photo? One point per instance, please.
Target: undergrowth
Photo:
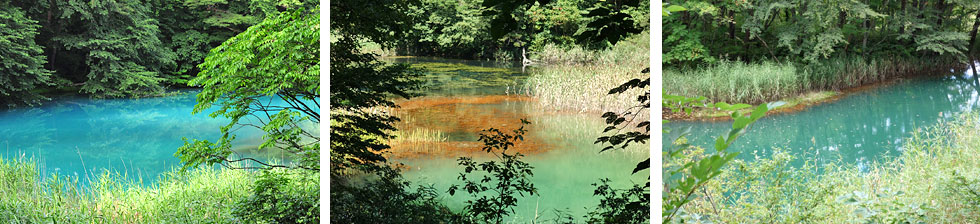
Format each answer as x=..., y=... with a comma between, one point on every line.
x=935, y=180
x=195, y=196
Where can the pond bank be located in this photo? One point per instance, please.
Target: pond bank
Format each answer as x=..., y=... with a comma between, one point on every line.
x=793, y=104
x=784, y=90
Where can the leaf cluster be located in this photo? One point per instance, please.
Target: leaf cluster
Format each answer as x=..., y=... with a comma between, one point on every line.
x=502, y=180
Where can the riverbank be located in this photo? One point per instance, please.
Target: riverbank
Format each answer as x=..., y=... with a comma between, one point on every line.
x=792, y=104
x=799, y=87
x=934, y=180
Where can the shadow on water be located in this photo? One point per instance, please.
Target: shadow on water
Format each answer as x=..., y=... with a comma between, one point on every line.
x=858, y=129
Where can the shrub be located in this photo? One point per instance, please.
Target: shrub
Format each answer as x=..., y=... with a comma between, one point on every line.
x=290, y=196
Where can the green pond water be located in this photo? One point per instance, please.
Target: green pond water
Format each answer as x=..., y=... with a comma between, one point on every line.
x=564, y=169
x=858, y=129
x=80, y=136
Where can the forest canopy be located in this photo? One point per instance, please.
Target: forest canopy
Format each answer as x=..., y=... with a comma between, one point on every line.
x=109, y=49
x=808, y=31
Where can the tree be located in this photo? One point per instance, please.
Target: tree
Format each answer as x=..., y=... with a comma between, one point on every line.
x=191, y=28
x=21, y=59
x=277, y=58
x=360, y=88
x=267, y=78
x=119, y=44
x=358, y=83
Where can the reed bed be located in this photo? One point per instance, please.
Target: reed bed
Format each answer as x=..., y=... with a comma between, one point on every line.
x=732, y=81
x=739, y=82
x=584, y=87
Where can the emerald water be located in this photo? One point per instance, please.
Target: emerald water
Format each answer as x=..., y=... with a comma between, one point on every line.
x=134, y=137
x=463, y=97
x=857, y=129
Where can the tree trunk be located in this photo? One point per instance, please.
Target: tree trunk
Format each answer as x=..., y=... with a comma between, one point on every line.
x=843, y=19
x=973, y=34
x=731, y=25
x=941, y=7
x=864, y=43
x=901, y=29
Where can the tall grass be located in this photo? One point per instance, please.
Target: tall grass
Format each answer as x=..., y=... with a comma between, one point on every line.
x=574, y=86
x=195, y=196
x=419, y=135
x=935, y=180
x=732, y=81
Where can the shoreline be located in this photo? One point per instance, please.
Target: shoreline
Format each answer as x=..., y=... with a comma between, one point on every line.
x=798, y=103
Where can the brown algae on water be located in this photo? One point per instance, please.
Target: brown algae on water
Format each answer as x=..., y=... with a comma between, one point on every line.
x=450, y=126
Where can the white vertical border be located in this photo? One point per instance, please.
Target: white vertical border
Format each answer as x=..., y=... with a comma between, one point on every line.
x=325, y=131
x=656, y=86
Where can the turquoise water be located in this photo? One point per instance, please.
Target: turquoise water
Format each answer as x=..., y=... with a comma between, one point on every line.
x=135, y=137
x=565, y=160
x=858, y=129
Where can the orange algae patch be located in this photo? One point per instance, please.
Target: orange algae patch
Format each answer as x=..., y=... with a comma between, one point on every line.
x=462, y=119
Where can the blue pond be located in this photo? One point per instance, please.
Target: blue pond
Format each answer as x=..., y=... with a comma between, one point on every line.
x=858, y=129
x=134, y=137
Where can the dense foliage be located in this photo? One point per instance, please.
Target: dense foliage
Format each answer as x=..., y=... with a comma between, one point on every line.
x=808, y=31
x=364, y=188
x=360, y=82
x=266, y=78
x=21, y=59
x=125, y=48
x=477, y=29
x=282, y=197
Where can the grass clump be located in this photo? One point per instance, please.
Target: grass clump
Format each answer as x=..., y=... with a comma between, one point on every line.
x=935, y=180
x=195, y=196
x=585, y=87
x=732, y=81
x=419, y=135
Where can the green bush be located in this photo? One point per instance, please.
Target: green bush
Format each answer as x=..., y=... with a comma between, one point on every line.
x=289, y=196
x=385, y=197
